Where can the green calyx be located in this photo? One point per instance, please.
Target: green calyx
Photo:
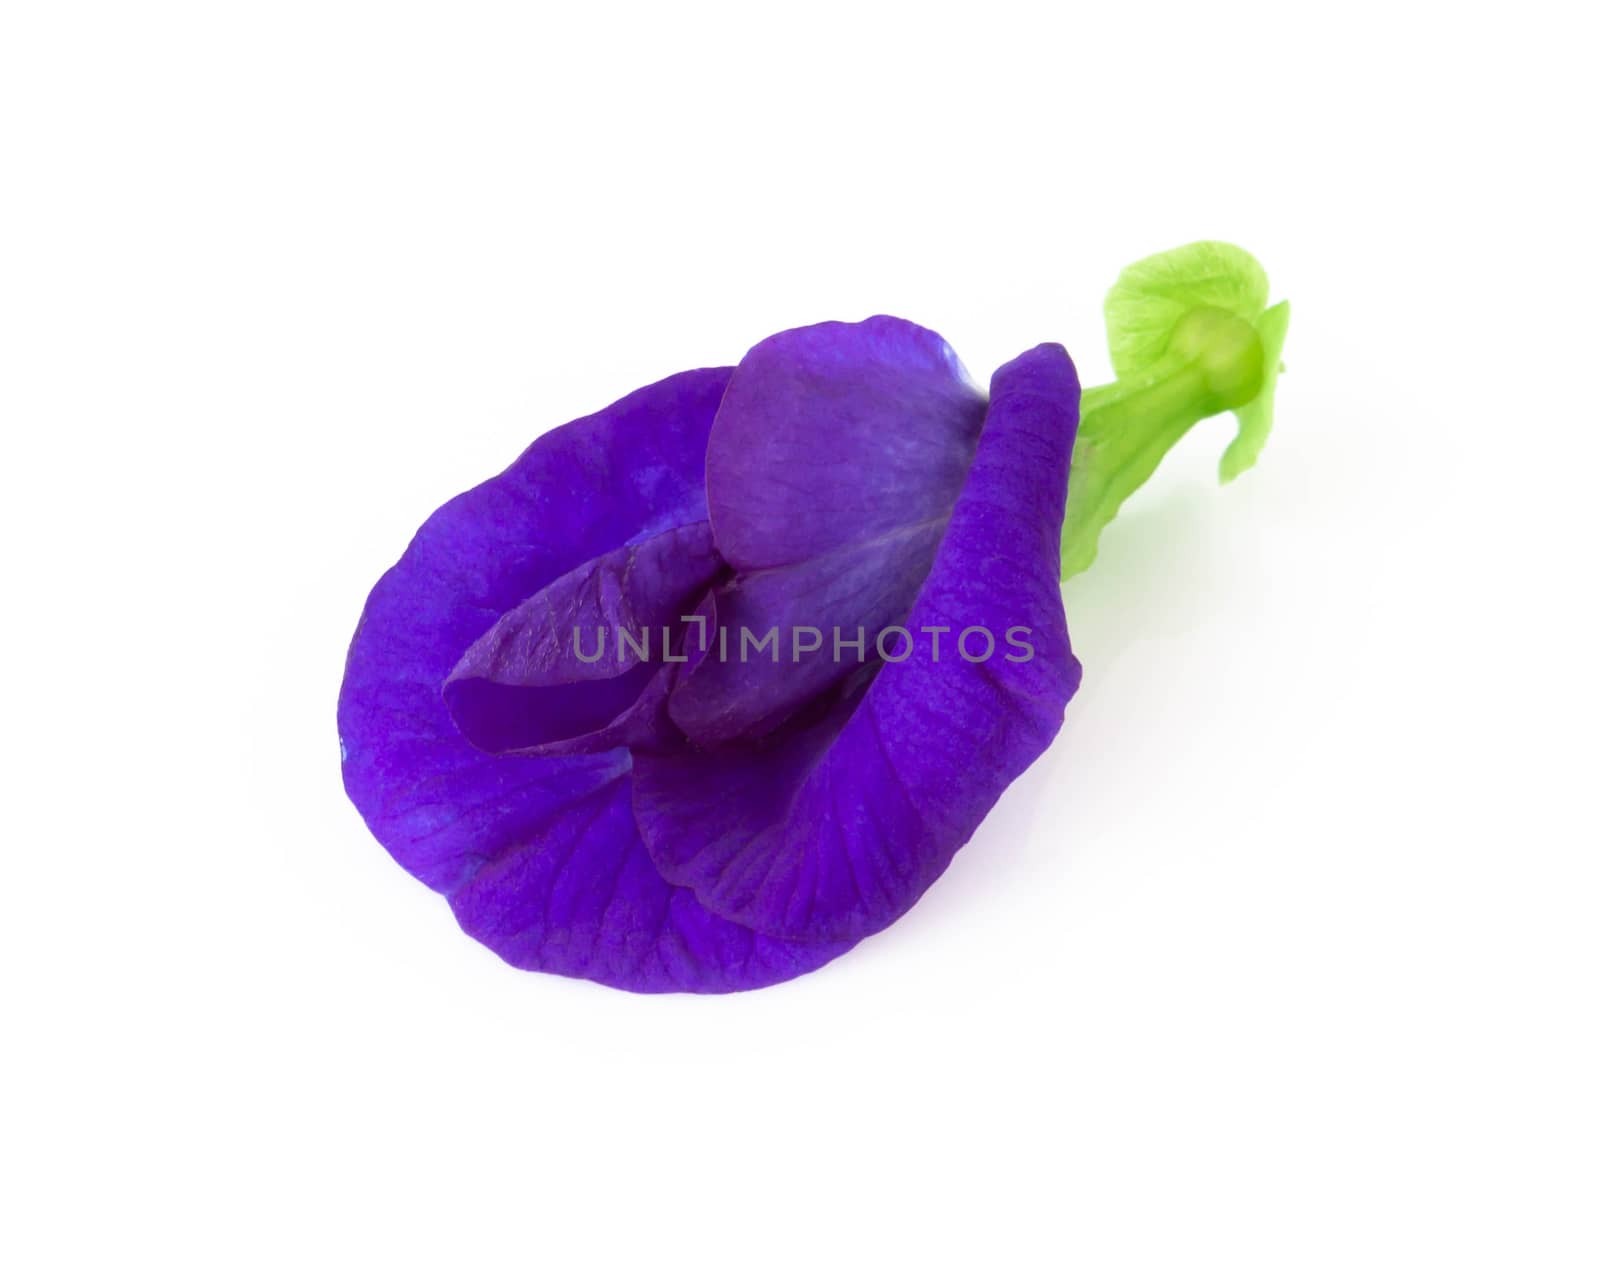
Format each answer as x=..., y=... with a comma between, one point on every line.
x=1191, y=336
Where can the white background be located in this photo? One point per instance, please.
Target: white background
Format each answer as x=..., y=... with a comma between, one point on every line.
x=1282, y=962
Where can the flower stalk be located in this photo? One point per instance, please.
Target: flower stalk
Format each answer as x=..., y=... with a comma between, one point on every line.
x=1191, y=337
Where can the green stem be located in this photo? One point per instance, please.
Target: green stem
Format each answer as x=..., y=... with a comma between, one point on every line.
x=1124, y=432
x=1214, y=362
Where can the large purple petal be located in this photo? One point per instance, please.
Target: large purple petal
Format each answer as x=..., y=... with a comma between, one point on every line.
x=834, y=462
x=494, y=832
x=580, y=896
x=832, y=832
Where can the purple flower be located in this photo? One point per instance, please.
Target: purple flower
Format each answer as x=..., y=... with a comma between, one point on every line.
x=678, y=814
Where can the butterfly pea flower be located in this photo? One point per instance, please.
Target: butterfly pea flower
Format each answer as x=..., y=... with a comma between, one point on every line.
x=709, y=686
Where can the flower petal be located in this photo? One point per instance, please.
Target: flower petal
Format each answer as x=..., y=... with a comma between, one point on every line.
x=848, y=596
x=834, y=462
x=830, y=832
x=580, y=896
x=832, y=435
x=452, y=814
x=569, y=669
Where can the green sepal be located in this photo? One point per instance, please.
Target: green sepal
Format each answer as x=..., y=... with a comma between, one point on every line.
x=1255, y=418
x=1151, y=297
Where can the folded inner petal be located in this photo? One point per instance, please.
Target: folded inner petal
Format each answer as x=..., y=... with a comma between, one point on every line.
x=786, y=635
x=832, y=468
x=831, y=829
x=836, y=434
x=567, y=668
